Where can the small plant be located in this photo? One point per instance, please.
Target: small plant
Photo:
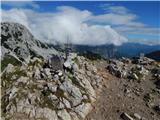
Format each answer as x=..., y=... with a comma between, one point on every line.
x=60, y=93
x=46, y=92
x=46, y=102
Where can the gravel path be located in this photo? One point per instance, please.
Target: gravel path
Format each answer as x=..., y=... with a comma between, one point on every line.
x=121, y=95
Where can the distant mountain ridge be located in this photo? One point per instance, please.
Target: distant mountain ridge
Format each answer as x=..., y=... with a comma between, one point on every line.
x=134, y=49
x=111, y=51
x=17, y=41
x=154, y=55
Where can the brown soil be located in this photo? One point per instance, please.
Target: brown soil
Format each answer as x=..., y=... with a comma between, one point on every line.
x=123, y=95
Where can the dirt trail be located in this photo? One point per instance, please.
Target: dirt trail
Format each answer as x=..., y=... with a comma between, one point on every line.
x=114, y=99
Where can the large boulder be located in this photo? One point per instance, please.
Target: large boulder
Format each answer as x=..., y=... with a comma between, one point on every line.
x=56, y=62
x=74, y=94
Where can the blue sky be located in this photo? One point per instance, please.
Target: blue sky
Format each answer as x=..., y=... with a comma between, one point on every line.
x=138, y=21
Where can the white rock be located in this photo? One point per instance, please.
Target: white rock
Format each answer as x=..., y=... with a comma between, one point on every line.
x=56, y=78
x=27, y=110
x=39, y=112
x=60, y=105
x=135, y=76
x=32, y=113
x=74, y=92
x=9, y=68
x=47, y=72
x=37, y=74
x=74, y=116
x=32, y=97
x=35, y=59
x=12, y=110
x=60, y=73
x=85, y=97
x=89, y=89
x=66, y=103
x=13, y=77
x=22, y=79
x=12, y=92
x=75, y=67
x=29, y=74
x=68, y=64
x=52, y=97
x=83, y=109
x=125, y=116
x=64, y=115
x=20, y=105
x=52, y=87
x=137, y=116
x=50, y=114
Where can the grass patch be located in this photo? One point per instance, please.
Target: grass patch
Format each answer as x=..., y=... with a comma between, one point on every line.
x=7, y=78
x=46, y=101
x=60, y=93
x=75, y=60
x=46, y=92
x=9, y=59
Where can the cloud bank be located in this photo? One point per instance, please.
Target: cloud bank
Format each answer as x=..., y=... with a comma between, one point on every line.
x=66, y=24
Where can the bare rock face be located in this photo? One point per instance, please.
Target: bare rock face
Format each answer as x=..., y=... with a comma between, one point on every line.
x=18, y=41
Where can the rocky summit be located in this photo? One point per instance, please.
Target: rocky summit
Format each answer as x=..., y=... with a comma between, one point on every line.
x=36, y=91
x=46, y=88
x=41, y=83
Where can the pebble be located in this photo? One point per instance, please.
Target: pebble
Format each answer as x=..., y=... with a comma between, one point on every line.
x=137, y=116
x=125, y=116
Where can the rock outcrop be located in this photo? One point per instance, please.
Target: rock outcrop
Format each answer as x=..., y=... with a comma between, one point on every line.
x=34, y=91
x=16, y=40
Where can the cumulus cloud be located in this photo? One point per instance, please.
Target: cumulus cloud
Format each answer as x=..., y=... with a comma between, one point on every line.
x=114, y=9
x=137, y=30
x=66, y=24
x=123, y=20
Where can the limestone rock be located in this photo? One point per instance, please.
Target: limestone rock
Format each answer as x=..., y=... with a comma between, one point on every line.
x=125, y=116
x=12, y=93
x=9, y=68
x=74, y=92
x=64, y=115
x=83, y=109
x=50, y=114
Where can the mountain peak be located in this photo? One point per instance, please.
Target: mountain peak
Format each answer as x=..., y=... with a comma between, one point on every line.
x=17, y=40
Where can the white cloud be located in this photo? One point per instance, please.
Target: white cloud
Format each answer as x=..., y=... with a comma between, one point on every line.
x=114, y=19
x=123, y=20
x=66, y=22
x=146, y=41
x=110, y=8
x=138, y=30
